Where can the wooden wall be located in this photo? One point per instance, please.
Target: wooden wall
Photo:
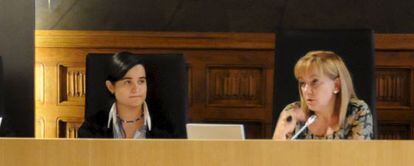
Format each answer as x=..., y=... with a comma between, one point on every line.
x=230, y=77
x=395, y=85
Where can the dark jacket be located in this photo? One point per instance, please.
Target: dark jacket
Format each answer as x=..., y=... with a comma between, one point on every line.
x=96, y=126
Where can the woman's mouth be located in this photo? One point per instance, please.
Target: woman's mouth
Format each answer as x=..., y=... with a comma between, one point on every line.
x=310, y=101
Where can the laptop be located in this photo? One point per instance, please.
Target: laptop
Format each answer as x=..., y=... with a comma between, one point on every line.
x=215, y=131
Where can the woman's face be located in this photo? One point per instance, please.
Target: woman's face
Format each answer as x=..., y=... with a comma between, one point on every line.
x=318, y=90
x=131, y=90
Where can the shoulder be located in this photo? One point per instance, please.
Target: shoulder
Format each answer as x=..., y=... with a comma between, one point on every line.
x=95, y=126
x=99, y=118
x=291, y=106
x=358, y=107
x=359, y=120
x=358, y=112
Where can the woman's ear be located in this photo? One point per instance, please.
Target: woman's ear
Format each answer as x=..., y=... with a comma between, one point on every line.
x=110, y=86
x=337, y=85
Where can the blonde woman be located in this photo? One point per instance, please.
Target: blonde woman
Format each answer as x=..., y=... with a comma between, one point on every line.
x=326, y=90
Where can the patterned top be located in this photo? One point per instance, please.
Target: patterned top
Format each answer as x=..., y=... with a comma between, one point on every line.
x=358, y=123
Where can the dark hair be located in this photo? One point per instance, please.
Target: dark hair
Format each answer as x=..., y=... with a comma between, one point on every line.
x=120, y=63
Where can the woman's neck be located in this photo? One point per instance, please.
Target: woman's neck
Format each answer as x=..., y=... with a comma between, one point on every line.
x=328, y=114
x=326, y=121
x=127, y=112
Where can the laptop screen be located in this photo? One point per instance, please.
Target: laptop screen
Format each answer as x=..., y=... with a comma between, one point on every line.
x=215, y=131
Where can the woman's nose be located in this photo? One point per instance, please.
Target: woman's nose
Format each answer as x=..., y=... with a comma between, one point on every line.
x=306, y=89
x=134, y=87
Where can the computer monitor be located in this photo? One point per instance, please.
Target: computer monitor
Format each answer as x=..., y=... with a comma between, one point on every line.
x=215, y=131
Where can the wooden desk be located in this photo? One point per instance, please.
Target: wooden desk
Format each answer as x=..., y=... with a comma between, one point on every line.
x=55, y=152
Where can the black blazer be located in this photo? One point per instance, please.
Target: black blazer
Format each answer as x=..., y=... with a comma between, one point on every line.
x=97, y=127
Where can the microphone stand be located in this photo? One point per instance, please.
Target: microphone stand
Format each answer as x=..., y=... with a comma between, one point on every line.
x=310, y=120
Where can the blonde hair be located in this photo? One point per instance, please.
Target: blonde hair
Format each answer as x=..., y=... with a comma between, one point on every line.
x=329, y=64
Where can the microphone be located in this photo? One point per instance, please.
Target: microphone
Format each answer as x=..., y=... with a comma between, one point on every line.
x=310, y=120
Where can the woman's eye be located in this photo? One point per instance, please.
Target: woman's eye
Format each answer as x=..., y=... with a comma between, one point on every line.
x=141, y=81
x=127, y=82
x=315, y=83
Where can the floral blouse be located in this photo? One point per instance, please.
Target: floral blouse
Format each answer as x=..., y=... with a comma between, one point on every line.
x=358, y=123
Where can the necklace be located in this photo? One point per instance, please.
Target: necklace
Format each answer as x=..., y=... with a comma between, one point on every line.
x=131, y=121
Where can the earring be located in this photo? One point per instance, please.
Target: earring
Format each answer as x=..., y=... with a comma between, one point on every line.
x=335, y=92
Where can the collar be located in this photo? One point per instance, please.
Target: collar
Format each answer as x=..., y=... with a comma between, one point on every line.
x=112, y=115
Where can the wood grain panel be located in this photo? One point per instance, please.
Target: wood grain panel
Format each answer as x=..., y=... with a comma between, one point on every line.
x=230, y=76
x=40, y=128
x=88, y=152
x=64, y=53
x=393, y=87
x=67, y=127
x=394, y=42
x=39, y=83
x=71, y=84
x=235, y=86
x=152, y=40
x=395, y=83
x=395, y=130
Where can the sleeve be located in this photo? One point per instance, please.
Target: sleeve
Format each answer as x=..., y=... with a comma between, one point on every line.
x=86, y=131
x=286, y=123
x=95, y=127
x=362, y=124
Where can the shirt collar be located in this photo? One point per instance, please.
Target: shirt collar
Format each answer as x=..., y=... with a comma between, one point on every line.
x=112, y=115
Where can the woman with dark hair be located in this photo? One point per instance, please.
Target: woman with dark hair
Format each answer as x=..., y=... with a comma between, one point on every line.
x=129, y=116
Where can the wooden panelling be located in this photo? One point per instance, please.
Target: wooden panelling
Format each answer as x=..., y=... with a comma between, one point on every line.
x=230, y=77
x=394, y=42
x=40, y=127
x=229, y=86
x=68, y=127
x=190, y=85
x=39, y=83
x=71, y=84
x=221, y=91
x=152, y=40
x=240, y=60
x=393, y=87
x=395, y=130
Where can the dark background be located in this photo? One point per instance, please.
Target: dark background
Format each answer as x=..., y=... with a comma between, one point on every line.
x=18, y=17
x=17, y=22
x=384, y=16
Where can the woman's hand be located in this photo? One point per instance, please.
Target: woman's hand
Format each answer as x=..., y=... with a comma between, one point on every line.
x=287, y=122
